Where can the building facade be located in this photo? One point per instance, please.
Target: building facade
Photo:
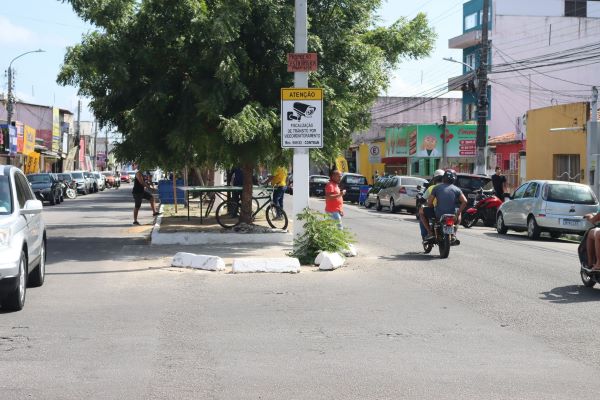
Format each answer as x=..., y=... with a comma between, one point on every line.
x=541, y=54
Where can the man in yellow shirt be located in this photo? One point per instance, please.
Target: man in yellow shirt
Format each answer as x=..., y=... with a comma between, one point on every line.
x=278, y=179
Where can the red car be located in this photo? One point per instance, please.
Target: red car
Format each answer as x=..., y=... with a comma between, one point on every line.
x=125, y=177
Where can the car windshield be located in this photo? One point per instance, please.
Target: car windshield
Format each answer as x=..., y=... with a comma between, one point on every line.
x=320, y=179
x=356, y=180
x=38, y=178
x=5, y=198
x=64, y=177
x=413, y=181
x=77, y=175
x=566, y=193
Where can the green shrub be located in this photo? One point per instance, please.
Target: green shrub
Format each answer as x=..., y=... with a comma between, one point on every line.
x=321, y=233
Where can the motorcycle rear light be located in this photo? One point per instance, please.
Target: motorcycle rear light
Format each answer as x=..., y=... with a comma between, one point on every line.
x=449, y=221
x=402, y=190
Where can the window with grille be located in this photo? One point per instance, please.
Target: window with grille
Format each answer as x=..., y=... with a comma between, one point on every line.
x=567, y=167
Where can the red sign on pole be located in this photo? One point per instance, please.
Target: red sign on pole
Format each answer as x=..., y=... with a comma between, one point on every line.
x=302, y=62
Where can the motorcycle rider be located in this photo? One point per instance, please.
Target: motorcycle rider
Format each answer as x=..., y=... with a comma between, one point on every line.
x=426, y=213
x=446, y=196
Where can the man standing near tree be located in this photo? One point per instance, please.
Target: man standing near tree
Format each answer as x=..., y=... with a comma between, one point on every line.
x=278, y=179
x=141, y=191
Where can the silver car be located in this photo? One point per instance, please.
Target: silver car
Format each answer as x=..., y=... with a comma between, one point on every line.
x=540, y=206
x=399, y=192
x=22, y=238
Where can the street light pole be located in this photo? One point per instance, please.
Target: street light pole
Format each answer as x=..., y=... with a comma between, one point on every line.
x=11, y=98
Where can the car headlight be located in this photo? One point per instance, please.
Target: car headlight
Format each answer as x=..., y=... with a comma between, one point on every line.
x=4, y=237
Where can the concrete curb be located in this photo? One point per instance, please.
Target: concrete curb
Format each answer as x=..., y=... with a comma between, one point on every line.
x=191, y=238
x=280, y=265
x=198, y=261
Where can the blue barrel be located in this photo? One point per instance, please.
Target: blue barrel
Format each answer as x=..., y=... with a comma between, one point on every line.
x=165, y=192
x=364, y=192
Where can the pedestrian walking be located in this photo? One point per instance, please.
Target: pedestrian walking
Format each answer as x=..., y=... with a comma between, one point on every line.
x=141, y=191
x=334, y=197
x=279, y=180
x=499, y=183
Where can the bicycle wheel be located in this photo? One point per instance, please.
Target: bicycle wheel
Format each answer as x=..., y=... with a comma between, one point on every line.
x=276, y=217
x=228, y=214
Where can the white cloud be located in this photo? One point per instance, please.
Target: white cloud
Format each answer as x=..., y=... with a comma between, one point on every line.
x=13, y=35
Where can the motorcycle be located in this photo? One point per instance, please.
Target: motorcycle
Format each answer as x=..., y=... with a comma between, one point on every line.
x=70, y=189
x=484, y=208
x=444, y=235
x=589, y=277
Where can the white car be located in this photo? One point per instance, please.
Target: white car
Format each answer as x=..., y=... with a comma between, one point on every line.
x=540, y=206
x=22, y=238
x=101, y=179
x=399, y=192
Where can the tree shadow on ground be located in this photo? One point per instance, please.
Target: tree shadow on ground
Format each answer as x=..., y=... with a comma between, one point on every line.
x=571, y=294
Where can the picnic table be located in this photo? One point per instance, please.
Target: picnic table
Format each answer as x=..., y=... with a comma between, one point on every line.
x=222, y=192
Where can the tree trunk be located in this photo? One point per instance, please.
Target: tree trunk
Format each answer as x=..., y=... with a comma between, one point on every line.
x=246, y=214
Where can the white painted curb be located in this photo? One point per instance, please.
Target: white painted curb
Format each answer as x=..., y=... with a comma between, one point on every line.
x=351, y=252
x=330, y=261
x=287, y=264
x=196, y=238
x=198, y=261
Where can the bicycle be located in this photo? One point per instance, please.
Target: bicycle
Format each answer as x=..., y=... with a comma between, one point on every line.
x=228, y=213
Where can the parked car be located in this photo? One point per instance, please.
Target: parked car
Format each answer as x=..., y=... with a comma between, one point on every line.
x=92, y=180
x=125, y=177
x=469, y=183
x=83, y=184
x=46, y=187
x=540, y=206
x=399, y=192
x=100, y=180
x=22, y=238
x=112, y=179
x=379, y=184
x=351, y=183
x=316, y=185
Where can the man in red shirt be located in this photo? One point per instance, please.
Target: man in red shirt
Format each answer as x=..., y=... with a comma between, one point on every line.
x=334, y=198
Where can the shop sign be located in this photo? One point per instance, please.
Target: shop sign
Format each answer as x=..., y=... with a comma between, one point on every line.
x=428, y=141
x=374, y=154
x=55, y=130
x=20, y=137
x=32, y=163
x=29, y=140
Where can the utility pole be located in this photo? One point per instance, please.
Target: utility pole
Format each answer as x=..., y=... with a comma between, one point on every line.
x=593, y=144
x=301, y=159
x=444, y=143
x=106, y=150
x=77, y=139
x=482, y=106
x=11, y=99
x=95, y=140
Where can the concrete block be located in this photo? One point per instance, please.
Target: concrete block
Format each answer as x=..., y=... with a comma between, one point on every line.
x=351, y=252
x=331, y=261
x=282, y=264
x=198, y=261
x=319, y=258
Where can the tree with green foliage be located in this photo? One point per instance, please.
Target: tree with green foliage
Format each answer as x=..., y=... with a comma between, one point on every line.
x=198, y=81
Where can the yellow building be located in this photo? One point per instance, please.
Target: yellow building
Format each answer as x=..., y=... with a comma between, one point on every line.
x=554, y=152
x=369, y=160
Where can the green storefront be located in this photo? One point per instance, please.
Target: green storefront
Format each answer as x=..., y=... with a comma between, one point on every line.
x=424, y=146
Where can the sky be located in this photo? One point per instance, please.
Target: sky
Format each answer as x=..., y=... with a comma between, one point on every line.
x=52, y=26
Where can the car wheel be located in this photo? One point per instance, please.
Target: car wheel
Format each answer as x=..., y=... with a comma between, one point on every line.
x=379, y=206
x=392, y=206
x=368, y=204
x=533, y=230
x=36, y=277
x=500, y=227
x=16, y=299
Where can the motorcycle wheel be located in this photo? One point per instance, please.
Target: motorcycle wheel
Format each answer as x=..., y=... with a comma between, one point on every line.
x=71, y=193
x=444, y=246
x=587, y=280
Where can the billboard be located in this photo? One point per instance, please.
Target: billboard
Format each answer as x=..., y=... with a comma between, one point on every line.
x=20, y=137
x=428, y=141
x=28, y=140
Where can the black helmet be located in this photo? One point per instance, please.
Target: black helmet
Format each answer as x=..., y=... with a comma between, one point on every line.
x=450, y=176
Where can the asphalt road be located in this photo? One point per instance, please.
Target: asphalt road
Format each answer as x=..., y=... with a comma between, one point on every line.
x=501, y=318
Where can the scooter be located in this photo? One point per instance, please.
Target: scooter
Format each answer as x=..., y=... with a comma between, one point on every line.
x=484, y=208
x=445, y=235
x=589, y=277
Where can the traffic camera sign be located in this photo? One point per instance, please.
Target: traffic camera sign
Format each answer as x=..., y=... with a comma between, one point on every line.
x=301, y=118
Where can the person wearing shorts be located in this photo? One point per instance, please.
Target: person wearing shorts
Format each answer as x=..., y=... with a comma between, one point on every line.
x=140, y=193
